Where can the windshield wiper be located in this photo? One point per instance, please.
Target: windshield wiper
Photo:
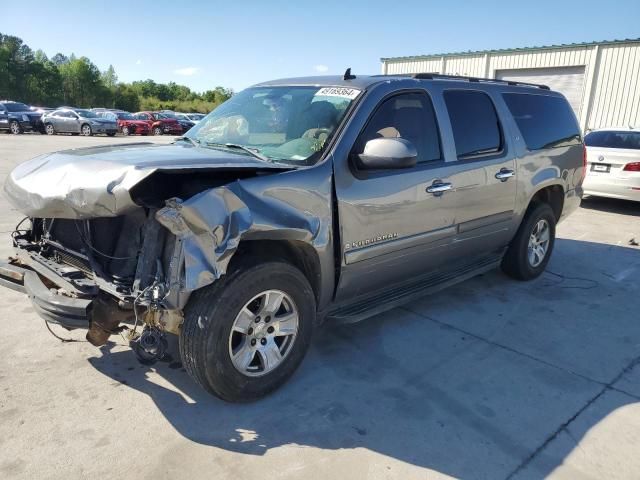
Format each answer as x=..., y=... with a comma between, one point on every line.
x=254, y=152
x=195, y=143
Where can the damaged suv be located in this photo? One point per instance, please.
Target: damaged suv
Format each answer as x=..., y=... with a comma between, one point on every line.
x=294, y=202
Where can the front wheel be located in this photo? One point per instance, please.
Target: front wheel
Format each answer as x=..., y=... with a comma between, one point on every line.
x=86, y=130
x=48, y=128
x=246, y=334
x=157, y=131
x=531, y=248
x=125, y=130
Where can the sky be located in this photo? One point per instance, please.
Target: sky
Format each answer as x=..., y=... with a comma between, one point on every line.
x=234, y=44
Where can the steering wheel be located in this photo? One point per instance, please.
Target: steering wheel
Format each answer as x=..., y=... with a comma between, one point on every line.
x=315, y=133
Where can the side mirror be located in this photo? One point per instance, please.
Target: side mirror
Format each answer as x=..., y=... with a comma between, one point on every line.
x=387, y=153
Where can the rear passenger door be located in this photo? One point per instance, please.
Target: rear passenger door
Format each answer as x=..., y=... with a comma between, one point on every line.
x=486, y=170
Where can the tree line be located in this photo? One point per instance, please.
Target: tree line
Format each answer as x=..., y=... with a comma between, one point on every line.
x=33, y=78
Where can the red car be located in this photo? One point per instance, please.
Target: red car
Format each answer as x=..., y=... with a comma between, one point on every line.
x=129, y=125
x=158, y=125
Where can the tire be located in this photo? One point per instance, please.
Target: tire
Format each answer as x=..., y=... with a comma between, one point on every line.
x=521, y=262
x=85, y=130
x=157, y=131
x=49, y=129
x=208, y=337
x=15, y=128
x=125, y=130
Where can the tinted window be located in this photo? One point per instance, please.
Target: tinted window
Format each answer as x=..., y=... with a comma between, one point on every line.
x=17, y=107
x=628, y=140
x=544, y=121
x=475, y=124
x=409, y=116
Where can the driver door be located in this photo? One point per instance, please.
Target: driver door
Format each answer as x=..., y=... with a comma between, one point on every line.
x=394, y=226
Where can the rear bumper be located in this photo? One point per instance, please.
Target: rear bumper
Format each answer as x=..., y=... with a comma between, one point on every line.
x=56, y=308
x=625, y=185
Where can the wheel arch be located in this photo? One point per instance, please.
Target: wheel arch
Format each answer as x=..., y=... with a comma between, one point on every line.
x=553, y=195
x=300, y=254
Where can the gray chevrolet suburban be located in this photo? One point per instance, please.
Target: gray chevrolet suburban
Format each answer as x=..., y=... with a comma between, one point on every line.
x=295, y=202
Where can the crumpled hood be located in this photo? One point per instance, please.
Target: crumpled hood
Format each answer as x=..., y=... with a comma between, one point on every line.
x=95, y=182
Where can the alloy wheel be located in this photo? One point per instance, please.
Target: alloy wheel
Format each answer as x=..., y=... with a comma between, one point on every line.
x=263, y=333
x=538, y=243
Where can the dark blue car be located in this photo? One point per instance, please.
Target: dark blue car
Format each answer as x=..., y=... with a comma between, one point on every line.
x=18, y=118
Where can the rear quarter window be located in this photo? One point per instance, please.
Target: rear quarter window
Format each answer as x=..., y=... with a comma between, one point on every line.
x=544, y=121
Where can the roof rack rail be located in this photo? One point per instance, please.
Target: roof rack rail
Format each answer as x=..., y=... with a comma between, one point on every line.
x=438, y=76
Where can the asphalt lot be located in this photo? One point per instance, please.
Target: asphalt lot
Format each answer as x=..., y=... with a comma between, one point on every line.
x=490, y=379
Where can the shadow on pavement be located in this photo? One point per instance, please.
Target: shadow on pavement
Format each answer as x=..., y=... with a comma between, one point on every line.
x=611, y=205
x=469, y=382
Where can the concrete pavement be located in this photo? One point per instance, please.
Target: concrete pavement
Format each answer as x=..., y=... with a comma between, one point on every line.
x=489, y=379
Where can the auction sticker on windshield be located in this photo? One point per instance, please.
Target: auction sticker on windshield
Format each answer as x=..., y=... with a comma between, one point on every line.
x=341, y=92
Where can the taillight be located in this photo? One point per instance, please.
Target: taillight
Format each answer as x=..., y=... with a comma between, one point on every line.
x=584, y=163
x=632, y=167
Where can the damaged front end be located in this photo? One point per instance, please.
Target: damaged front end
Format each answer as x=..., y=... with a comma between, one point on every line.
x=97, y=274
x=132, y=258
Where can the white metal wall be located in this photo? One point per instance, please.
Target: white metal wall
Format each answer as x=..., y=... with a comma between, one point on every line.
x=611, y=95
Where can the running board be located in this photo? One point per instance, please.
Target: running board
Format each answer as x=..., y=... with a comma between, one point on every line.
x=399, y=295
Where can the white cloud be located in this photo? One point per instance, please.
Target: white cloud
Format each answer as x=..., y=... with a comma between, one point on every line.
x=320, y=68
x=138, y=62
x=187, y=71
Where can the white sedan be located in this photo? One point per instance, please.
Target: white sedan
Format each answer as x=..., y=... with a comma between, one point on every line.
x=613, y=163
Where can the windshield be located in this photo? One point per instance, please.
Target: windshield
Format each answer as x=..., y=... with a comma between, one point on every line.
x=290, y=124
x=87, y=114
x=196, y=117
x=16, y=107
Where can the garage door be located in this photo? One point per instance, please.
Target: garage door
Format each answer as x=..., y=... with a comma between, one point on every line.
x=567, y=80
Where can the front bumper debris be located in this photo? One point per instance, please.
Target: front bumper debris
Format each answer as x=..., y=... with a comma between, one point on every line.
x=67, y=311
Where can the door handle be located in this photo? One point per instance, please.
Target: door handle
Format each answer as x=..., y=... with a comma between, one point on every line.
x=505, y=174
x=438, y=188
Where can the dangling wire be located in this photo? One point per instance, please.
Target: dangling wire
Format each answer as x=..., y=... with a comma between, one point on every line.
x=63, y=340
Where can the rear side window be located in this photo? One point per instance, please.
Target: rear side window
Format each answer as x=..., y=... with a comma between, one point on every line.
x=544, y=121
x=475, y=124
x=409, y=116
x=628, y=140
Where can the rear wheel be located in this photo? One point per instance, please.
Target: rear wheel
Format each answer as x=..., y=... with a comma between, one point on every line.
x=246, y=334
x=531, y=248
x=15, y=128
x=86, y=130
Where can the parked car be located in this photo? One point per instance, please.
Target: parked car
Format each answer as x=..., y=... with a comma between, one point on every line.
x=17, y=118
x=127, y=122
x=613, y=163
x=78, y=121
x=194, y=117
x=294, y=202
x=160, y=125
x=185, y=123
